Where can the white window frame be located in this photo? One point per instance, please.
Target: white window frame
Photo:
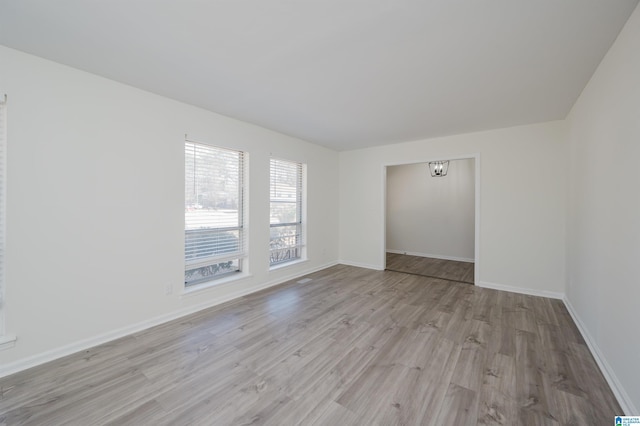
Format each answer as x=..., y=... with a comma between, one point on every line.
x=288, y=253
x=240, y=254
x=6, y=341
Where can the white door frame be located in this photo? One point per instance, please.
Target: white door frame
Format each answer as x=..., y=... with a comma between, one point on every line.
x=476, y=158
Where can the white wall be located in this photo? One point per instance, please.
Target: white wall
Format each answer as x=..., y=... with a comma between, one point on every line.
x=522, y=202
x=604, y=211
x=431, y=216
x=95, y=206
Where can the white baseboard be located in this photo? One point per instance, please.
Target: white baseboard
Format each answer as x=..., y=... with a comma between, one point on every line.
x=85, y=344
x=361, y=265
x=521, y=290
x=434, y=256
x=618, y=390
x=621, y=395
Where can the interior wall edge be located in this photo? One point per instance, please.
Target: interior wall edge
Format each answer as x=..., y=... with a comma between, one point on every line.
x=618, y=390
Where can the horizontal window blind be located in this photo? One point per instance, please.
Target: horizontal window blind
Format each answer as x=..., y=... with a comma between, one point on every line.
x=286, y=240
x=213, y=214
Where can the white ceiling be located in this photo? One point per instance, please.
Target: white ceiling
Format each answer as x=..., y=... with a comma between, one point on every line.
x=342, y=73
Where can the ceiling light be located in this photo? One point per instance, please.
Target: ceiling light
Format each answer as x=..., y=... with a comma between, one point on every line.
x=439, y=168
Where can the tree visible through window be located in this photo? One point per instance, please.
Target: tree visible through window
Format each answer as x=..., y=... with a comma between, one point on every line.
x=213, y=212
x=286, y=241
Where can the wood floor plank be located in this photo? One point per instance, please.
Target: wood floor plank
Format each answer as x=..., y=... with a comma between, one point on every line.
x=372, y=391
x=402, y=407
x=459, y=407
x=151, y=411
x=575, y=410
x=350, y=347
x=329, y=413
x=589, y=378
x=530, y=417
x=502, y=340
x=468, y=372
x=530, y=379
x=496, y=408
x=497, y=396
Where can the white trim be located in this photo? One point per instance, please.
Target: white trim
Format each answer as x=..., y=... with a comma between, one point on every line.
x=243, y=194
x=521, y=290
x=618, y=390
x=384, y=182
x=477, y=182
x=90, y=342
x=477, y=225
x=361, y=265
x=6, y=341
x=215, y=282
x=279, y=165
x=434, y=256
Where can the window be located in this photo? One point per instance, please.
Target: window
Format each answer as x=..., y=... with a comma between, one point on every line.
x=287, y=239
x=213, y=212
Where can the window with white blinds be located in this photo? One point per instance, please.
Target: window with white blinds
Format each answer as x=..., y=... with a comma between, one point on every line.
x=287, y=239
x=3, y=185
x=213, y=212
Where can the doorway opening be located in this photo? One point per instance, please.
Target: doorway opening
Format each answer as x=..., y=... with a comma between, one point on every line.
x=431, y=222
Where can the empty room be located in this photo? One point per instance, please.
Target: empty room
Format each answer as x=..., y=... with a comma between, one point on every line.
x=319, y=213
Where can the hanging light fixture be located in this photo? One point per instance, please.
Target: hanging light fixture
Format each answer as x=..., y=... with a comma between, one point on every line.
x=438, y=168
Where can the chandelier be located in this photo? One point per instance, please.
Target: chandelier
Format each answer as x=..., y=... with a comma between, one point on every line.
x=438, y=168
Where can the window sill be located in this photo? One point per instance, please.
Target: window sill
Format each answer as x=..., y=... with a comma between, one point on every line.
x=7, y=342
x=188, y=291
x=287, y=264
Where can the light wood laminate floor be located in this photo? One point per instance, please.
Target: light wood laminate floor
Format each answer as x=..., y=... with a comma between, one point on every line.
x=452, y=270
x=351, y=347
